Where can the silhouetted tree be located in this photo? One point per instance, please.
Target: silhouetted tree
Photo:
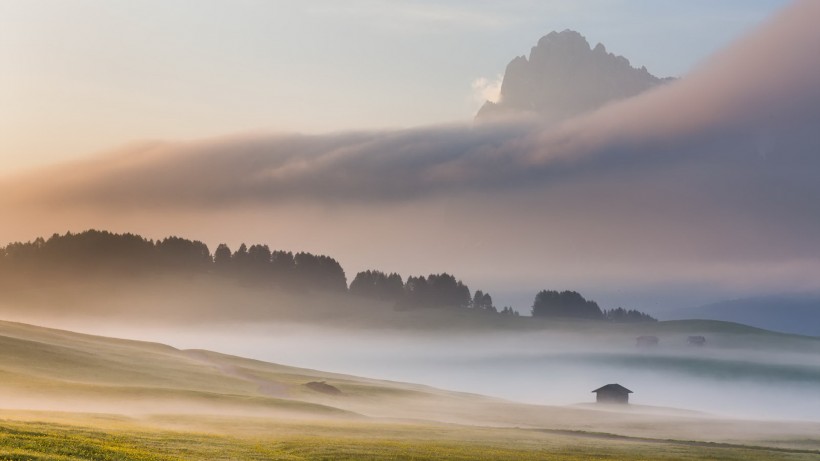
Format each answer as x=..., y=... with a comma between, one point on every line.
x=378, y=285
x=621, y=315
x=239, y=261
x=182, y=254
x=283, y=268
x=507, y=310
x=448, y=291
x=91, y=250
x=222, y=258
x=319, y=273
x=258, y=264
x=240, y=254
x=565, y=304
x=259, y=256
x=483, y=301
x=478, y=298
x=437, y=290
x=417, y=292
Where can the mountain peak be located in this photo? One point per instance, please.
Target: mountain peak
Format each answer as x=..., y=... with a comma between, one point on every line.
x=567, y=36
x=564, y=77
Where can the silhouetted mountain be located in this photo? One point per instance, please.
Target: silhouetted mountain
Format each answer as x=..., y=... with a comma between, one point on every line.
x=564, y=77
x=786, y=314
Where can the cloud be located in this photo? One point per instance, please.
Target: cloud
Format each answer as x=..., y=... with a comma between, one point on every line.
x=487, y=90
x=719, y=167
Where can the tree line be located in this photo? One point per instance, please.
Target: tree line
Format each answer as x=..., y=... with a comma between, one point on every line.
x=570, y=304
x=102, y=252
x=98, y=252
x=433, y=291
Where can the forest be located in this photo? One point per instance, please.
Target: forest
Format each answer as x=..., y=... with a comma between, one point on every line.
x=95, y=252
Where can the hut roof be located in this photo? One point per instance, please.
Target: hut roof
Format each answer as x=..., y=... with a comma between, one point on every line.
x=613, y=387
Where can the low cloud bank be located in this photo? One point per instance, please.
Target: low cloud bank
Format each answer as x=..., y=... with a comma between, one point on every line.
x=756, y=100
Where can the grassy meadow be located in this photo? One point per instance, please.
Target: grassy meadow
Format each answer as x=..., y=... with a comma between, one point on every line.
x=32, y=436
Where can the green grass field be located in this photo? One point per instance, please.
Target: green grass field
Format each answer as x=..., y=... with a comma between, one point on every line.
x=94, y=437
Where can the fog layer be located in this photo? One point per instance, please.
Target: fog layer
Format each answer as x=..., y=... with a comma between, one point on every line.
x=739, y=372
x=758, y=377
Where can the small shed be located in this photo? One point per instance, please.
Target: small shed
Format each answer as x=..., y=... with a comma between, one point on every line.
x=696, y=340
x=646, y=341
x=323, y=387
x=612, y=393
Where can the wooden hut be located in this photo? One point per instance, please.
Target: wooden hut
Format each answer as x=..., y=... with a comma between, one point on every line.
x=696, y=340
x=646, y=341
x=612, y=393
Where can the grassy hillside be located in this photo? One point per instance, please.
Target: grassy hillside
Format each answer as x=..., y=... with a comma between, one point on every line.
x=73, y=396
x=794, y=314
x=54, y=369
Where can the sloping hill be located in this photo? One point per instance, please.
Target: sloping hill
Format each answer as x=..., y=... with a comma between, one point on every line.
x=50, y=369
x=789, y=314
x=60, y=371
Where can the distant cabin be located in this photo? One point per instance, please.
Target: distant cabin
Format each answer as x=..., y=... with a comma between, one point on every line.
x=696, y=340
x=646, y=341
x=612, y=393
x=323, y=387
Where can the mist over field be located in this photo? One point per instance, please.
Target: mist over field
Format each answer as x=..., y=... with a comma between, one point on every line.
x=549, y=368
x=740, y=372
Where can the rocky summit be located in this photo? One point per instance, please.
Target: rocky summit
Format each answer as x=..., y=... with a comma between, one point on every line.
x=564, y=77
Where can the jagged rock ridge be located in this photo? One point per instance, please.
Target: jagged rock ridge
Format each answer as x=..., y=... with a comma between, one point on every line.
x=564, y=77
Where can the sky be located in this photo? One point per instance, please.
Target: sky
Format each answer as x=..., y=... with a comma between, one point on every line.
x=82, y=77
x=348, y=131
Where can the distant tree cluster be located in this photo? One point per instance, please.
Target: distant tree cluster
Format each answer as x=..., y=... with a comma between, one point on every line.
x=483, y=301
x=181, y=254
x=378, y=285
x=564, y=304
x=507, y=310
x=571, y=305
x=100, y=251
x=258, y=264
x=434, y=291
x=621, y=315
